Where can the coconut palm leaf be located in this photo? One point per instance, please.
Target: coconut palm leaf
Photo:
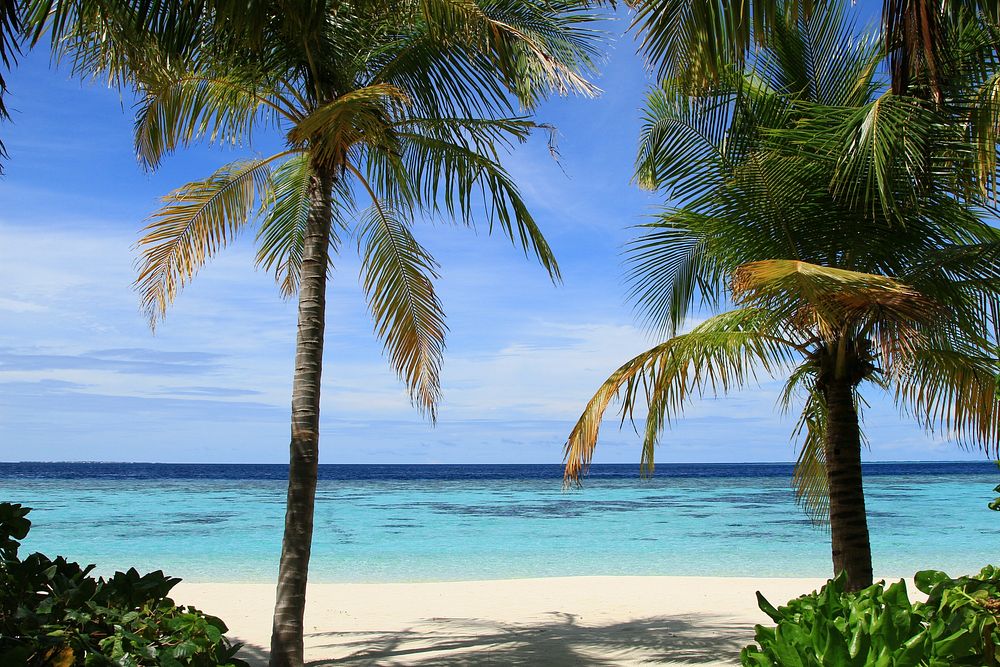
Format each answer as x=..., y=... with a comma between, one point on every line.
x=809, y=475
x=195, y=221
x=682, y=144
x=832, y=300
x=361, y=116
x=397, y=274
x=954, y=390
x=10, y=30
x=722, y=353
x=179, y=108
x=669, y=266
x=438, y=175
x=284, y=214
x=536, y=46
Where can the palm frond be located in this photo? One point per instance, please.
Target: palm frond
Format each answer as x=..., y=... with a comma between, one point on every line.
x=195, y=221
x=832, y=300
x=809, y=479
x=821, y=58
x=397, y=274
x=682, y=141
x=435, y=174
x=179, y=108
x=361, y=116
x=537, y=47
x=722, y=353
x=668, y=266
x=285, y=216
x=955, y=390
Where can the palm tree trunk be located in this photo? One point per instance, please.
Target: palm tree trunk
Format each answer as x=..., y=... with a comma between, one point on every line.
x=293, y=570
x=848, y=521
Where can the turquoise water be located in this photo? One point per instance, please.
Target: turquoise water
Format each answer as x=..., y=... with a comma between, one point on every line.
x=425, y=523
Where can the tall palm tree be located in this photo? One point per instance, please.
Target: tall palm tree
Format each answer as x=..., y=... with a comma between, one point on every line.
x=824, y=208
x=392, y=112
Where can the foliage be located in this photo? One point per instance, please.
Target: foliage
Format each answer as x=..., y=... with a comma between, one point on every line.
x=878, y=625
x=847, y=224
x=53, y=613
x=406, y=107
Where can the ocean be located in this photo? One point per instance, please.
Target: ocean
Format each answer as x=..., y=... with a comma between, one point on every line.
x=379, y=523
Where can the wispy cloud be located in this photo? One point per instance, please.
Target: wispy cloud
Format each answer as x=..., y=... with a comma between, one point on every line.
x=82, y=376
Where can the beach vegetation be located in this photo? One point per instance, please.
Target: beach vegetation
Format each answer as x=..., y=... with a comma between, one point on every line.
x=959, y=624
x=840, y=236
x=53, y=613
x=389, y=114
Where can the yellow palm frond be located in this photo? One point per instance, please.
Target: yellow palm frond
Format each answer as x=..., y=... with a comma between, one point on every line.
x=720, y=354
x=833, y=301
x=195, y=221
x=397, y=274
x=180, y=108
x=953, y=390
x=362, y=116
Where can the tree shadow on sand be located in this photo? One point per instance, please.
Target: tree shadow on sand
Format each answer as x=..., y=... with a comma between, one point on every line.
x=458, y=642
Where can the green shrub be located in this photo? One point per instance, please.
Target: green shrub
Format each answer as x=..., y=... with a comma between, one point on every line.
x=879, y=626
x=53, y=613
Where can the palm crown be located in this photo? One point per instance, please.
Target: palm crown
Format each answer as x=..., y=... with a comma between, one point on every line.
x=820, y=205
x=407, y=122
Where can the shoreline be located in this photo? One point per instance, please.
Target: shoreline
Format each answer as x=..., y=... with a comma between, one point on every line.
x=589, y=620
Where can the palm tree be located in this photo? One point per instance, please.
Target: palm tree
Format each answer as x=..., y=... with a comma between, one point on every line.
x=10, y=32
x=697, y=40
x=845, y=224
x=391, y=113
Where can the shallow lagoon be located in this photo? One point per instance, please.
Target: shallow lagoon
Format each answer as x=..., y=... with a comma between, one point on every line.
x=423, y=523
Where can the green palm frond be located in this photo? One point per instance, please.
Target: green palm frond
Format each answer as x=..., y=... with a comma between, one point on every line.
x=397, y=274
x=954, y=390
x=809, y=480
x=486, y=136
x=436, y=174
x=821, y=58
x=985, y=127
x=720, y=354
x=284, y=218
x=682, y=141
x=535, y=46
x=881, y=151
x=178, y=109
x=669, y=265
x=196, y=220
x=10, y=31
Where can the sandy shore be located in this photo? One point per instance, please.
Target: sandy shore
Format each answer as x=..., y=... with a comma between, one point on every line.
x=578, y=621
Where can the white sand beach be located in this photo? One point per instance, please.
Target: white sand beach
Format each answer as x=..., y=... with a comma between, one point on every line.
x=578, y=621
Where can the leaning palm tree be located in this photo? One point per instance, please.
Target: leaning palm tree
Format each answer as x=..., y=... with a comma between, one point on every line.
x=391, y=113
x=824, y=208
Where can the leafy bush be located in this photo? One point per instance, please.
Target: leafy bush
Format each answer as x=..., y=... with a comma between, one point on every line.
x=54, y=614
x=957, y=625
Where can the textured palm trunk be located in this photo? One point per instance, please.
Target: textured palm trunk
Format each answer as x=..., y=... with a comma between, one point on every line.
x=848, y=521
x=293, y=570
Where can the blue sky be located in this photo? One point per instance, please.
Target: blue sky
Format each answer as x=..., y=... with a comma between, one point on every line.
x=83, y=378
